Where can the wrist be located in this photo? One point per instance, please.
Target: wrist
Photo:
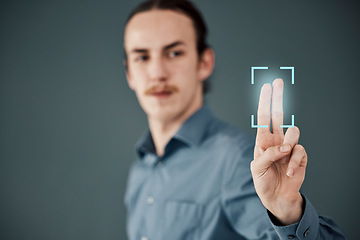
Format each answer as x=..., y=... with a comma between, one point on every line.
x=287, y=213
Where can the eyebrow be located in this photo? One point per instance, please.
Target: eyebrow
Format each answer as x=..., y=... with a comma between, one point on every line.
x=167, y=47
x=174, y=44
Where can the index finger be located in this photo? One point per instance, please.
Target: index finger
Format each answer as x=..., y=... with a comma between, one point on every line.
x=263, y=114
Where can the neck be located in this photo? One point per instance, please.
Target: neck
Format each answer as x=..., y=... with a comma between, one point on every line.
x=163, y=131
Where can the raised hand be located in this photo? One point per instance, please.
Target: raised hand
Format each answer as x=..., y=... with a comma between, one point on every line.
x=279, y=164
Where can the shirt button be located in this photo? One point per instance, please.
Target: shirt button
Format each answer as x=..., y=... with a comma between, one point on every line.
x=159, y=164
x=306, y=233
x=144, y=238
x=291, y=237
x=150, y=200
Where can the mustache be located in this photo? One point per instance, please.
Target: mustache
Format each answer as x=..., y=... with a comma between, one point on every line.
x=161, y=88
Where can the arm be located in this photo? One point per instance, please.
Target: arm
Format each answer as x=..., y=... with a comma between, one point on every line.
x=250, y=219
x=311, y=226
x=278, y=171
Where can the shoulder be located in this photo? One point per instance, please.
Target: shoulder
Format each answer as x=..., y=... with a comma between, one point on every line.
x=234, y=149
x=228, y=137
x=231, y=146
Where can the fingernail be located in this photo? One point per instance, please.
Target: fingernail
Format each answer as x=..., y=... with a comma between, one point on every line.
x=285, y=148
x=290, y=172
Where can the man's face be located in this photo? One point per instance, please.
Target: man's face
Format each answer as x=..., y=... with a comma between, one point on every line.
x=163, y=65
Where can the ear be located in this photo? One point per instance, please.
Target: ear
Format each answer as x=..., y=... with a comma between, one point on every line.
x=206, y=64
x=128, y=76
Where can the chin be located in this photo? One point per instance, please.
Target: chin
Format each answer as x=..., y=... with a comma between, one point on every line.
x=163, y=113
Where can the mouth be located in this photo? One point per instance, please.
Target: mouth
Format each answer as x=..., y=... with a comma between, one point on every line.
x=161, y=94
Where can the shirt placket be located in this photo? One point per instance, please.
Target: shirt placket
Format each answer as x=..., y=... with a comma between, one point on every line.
x=152, y=199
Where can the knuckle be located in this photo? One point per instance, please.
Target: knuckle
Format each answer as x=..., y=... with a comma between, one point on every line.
x=294, y=163
x=300, y=148
x=295, y=160
x=252, y=165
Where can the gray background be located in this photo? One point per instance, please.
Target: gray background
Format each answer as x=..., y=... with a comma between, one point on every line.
x=68, y=121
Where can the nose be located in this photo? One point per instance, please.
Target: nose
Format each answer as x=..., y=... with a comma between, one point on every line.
x=158, y=70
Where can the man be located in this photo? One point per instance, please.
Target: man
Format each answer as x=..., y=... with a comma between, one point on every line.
x=193, y=177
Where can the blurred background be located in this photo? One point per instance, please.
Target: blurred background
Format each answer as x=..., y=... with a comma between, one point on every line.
x=68, y=121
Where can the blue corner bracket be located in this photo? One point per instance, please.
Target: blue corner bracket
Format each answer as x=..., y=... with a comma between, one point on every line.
x=292, y=82
x=265, y=126
x=292, y=73
x=292, y=123
x=256, y=126
x=253, y=70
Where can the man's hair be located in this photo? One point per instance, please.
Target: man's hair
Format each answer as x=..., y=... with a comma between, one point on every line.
x=187, y=8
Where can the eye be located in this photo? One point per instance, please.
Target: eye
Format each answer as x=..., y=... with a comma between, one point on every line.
x=141, y=58
x=173, y=54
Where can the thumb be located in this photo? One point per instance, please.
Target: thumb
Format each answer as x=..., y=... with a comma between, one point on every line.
x=261, y=164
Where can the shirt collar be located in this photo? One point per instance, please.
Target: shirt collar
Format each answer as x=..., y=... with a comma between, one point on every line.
x=145, y=144
x=191, y=132
x=194, y=128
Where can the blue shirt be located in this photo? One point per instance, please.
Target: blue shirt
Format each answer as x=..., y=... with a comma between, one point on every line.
x=202, y=188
